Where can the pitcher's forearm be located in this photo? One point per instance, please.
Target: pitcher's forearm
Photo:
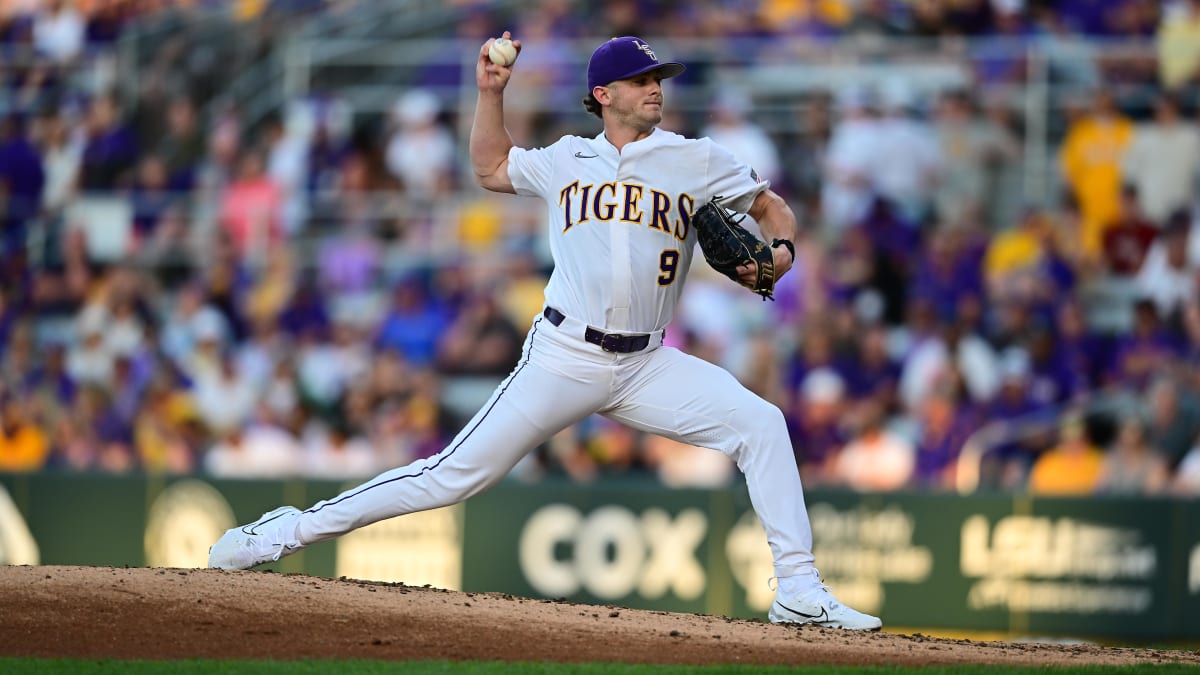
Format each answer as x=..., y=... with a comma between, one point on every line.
x=775, y=218
x=490, y=141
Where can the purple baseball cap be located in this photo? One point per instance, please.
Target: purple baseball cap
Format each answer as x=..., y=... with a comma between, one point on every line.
x=624, y=57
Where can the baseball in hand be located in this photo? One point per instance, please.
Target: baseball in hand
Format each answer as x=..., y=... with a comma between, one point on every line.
x=502, y=52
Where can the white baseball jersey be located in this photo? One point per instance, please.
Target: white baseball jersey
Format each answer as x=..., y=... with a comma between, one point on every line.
x=620, y=222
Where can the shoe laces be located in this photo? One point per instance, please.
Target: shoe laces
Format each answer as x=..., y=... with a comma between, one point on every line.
x=820, y=582
x=281, y=547
x=818, y=588
x=824, y=589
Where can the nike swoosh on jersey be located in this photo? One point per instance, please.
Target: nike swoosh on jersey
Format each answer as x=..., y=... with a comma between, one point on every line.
x=580, y=155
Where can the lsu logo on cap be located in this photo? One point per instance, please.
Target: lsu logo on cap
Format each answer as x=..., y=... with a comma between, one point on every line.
x=646, y=48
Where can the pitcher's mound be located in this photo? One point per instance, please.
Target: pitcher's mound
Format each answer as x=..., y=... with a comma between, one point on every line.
x=99, y=612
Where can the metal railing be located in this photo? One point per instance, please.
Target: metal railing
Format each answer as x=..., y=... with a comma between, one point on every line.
x=978, y=448
x=369, y=54
x=406, y=228
x=778, y=75
x=968, y=473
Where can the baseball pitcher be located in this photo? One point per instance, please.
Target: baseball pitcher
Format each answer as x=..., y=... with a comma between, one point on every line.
x=623, y=210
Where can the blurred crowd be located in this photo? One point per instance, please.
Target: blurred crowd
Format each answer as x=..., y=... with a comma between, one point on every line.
x=324, y=293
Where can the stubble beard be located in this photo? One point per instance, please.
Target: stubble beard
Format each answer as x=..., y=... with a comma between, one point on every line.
x=643, y=119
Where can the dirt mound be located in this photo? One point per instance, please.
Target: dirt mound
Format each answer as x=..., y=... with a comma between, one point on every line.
x=172, y=613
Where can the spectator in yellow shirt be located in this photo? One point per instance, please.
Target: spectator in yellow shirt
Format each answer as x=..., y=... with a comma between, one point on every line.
x=1073, y=467
x=784, y=16
x=1015, y=252
x=1090, y=159
x=1179, y=45
x=23, y=446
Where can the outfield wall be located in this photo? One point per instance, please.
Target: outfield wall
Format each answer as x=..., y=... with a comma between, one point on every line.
x=1094, y=567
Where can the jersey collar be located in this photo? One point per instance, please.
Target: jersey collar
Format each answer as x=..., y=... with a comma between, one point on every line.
x=602, y=144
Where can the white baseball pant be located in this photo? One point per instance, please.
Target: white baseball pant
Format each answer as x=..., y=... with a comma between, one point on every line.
x=560, y=380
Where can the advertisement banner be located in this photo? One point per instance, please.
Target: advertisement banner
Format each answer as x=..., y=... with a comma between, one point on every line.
x=82, y=520
x=1086, y=568
x=639, y=547
x=1073, y=566
x=1065, y=567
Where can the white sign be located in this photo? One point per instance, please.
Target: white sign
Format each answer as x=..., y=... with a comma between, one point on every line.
x=1056, y=565
x=417, y=549
x=613, y=552
x=184, y=520
x=17, y=545
x=856, y=550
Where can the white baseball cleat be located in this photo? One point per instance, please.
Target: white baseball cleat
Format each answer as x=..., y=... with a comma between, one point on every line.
x=803, y=599
x=265, y=540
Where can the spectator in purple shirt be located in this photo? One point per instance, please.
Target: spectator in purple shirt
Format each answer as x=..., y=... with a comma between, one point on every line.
x=104, y=22
x=815, y=425
x=110, y=152
x=22, y=179
x=947, y=276
x=326, y=155
x=1012, y=457
x=127, y=388
x=816, y=351
x=872, y=373
x=1054, y=380
x=306, y=313
x=898, y=237
x=51, y=376
x=1146, y=351
x=150, y=197
x=944, y=426
x=1091, y=17
x=1082, y=350
x=999, y=59
x=349, y=261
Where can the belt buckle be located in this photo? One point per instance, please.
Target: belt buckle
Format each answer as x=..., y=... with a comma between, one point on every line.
x=610, y=342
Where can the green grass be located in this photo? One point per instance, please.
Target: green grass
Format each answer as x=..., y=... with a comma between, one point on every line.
x=12, y=666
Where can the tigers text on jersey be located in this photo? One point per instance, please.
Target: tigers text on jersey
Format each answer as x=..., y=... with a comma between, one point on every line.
x=620, y=221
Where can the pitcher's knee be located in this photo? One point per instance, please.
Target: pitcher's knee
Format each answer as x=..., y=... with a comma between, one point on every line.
x=762, y=419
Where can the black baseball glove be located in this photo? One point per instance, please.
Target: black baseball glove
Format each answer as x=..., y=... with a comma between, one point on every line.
x=727, y=245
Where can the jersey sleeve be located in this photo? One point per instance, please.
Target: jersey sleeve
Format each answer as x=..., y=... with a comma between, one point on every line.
x=736, y=182
x=530, y=170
